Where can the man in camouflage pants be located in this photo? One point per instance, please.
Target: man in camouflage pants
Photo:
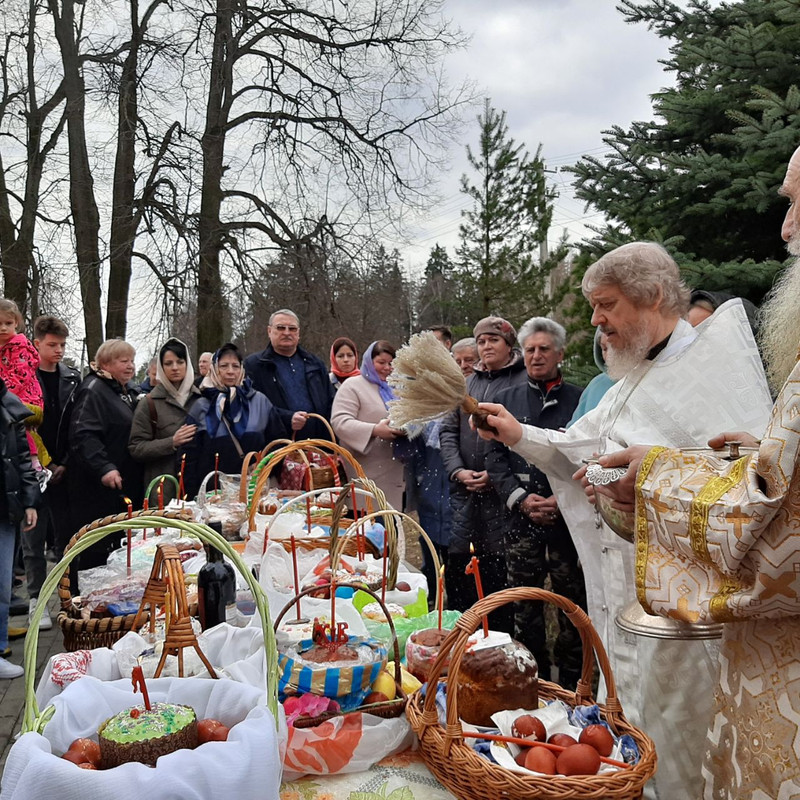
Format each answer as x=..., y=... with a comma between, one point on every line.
x=537, y=539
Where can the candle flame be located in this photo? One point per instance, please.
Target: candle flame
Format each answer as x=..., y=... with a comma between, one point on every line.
x=441, y=571
x=471, y=549
x=128, y=501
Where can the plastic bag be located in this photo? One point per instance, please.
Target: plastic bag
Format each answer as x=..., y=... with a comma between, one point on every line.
x=351, y=743
x=247, y=765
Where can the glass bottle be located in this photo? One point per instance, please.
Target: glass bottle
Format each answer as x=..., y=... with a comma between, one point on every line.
x=216, y=588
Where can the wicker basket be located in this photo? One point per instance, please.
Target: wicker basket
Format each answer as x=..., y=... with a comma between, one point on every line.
x=33, y=718
x=260, y=478
x=87, y=634
x=389, y=709
x=335, y=520
x=472, y=777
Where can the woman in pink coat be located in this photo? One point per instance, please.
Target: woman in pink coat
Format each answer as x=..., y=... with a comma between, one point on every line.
x=360, y=421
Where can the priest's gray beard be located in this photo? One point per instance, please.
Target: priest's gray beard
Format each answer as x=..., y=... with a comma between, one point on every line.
x=780, y=315
x=620, y=361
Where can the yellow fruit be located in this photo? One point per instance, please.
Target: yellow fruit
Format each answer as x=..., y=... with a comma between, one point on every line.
x=385, y=684
x=408, y=682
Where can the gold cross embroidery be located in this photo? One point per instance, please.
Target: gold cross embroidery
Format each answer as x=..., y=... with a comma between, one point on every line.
x=682, y=612
x=737, y=519
x=780, y=585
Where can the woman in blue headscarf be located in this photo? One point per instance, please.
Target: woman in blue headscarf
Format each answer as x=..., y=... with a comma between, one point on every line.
x=232, y=419
x=361, y=421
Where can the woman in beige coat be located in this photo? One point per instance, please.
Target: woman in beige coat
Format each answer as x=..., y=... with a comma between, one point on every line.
x=159, y=426
x=360, y=421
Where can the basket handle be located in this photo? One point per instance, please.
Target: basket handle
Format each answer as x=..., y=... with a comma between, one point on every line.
x=279, y=455
x=245, y=466
x=158, y=479
x=391, y=532
x=398, y=677
x=456, y=642
x=324, y=422
x=32, y=718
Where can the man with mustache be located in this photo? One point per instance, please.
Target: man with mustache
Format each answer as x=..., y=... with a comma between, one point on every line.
x=676, y=386
x=719, y=543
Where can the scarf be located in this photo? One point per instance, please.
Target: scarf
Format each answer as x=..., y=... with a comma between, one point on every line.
x=342, y=340
x=178, y=393
x=369, y=373
x=232, y=401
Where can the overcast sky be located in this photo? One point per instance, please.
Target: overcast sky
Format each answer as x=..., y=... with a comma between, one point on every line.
x=564, y=71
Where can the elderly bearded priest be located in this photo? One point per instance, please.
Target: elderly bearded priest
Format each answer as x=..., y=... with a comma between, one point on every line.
x=677, y=386
x=725, y=536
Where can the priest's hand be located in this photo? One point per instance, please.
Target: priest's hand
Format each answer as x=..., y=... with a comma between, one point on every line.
x=509, y=430
x=721, y=439
x=622, y=492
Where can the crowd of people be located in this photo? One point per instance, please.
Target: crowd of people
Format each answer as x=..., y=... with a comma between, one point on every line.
x=677, y=369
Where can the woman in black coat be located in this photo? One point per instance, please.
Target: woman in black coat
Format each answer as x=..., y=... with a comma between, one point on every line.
x=102, y=471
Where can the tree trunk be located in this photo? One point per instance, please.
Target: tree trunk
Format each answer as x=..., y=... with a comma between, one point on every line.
x=85, y=217
x=210, y=303
x=123, y=226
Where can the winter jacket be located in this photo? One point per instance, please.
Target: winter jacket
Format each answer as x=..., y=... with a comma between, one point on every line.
x=512, y=476
x=68, y=381
x=358, y=407
x=19, y=480
x=263, y=371
x=262, y=427
x=154, y=448
x=477, y=516
x=99, y=430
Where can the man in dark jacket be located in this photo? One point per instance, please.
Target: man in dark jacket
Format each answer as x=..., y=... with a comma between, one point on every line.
x=19, y=498
x=295, y=381
x=58, y=382
x=537, y=539
x=477, y=509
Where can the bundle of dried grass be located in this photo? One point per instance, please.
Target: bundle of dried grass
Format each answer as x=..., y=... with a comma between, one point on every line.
x=428, y=383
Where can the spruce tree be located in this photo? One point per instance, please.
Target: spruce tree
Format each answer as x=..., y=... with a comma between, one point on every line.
x=500, y=234
x=703, y=174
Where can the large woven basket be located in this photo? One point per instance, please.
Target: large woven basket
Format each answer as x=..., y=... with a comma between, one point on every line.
x=470, y=776
x=87, y=634
x=259, y=480
x=33, y=718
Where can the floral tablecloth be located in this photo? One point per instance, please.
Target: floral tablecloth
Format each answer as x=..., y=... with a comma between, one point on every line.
x=403, y=776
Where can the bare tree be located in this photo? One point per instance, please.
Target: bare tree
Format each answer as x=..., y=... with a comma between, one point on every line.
x=19, y=97
x=341, y=107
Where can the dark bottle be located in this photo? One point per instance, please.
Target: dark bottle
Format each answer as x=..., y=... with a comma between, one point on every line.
x=216, y=588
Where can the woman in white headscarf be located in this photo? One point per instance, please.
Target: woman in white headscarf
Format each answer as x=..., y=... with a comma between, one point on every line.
x=159, y=426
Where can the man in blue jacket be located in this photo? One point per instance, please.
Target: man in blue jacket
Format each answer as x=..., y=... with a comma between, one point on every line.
x=295, y=381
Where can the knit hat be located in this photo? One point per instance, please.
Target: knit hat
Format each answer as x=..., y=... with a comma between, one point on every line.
x=497, y=326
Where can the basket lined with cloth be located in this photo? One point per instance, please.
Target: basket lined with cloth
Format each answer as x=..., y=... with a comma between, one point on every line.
x=471, y=776
x=249, y=763
x=86, y=634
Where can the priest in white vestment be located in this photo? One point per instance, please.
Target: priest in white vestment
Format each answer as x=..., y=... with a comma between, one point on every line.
x=720, y=542
x=677, y=386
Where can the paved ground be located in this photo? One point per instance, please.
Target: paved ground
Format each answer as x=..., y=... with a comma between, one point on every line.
x=12, y=692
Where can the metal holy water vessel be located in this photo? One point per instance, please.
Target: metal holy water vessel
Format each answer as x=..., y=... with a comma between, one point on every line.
x=632, y=618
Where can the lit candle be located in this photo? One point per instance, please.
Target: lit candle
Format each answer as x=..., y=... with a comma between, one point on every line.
x=160, y=501
x=145, y=507
x=440, y=589
x=137, y=679
x=296, y=578
x=474, y=569
x=216, y=472
x=180, y=487
x=308, y=514
x=385, y=559
x=130, y=514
